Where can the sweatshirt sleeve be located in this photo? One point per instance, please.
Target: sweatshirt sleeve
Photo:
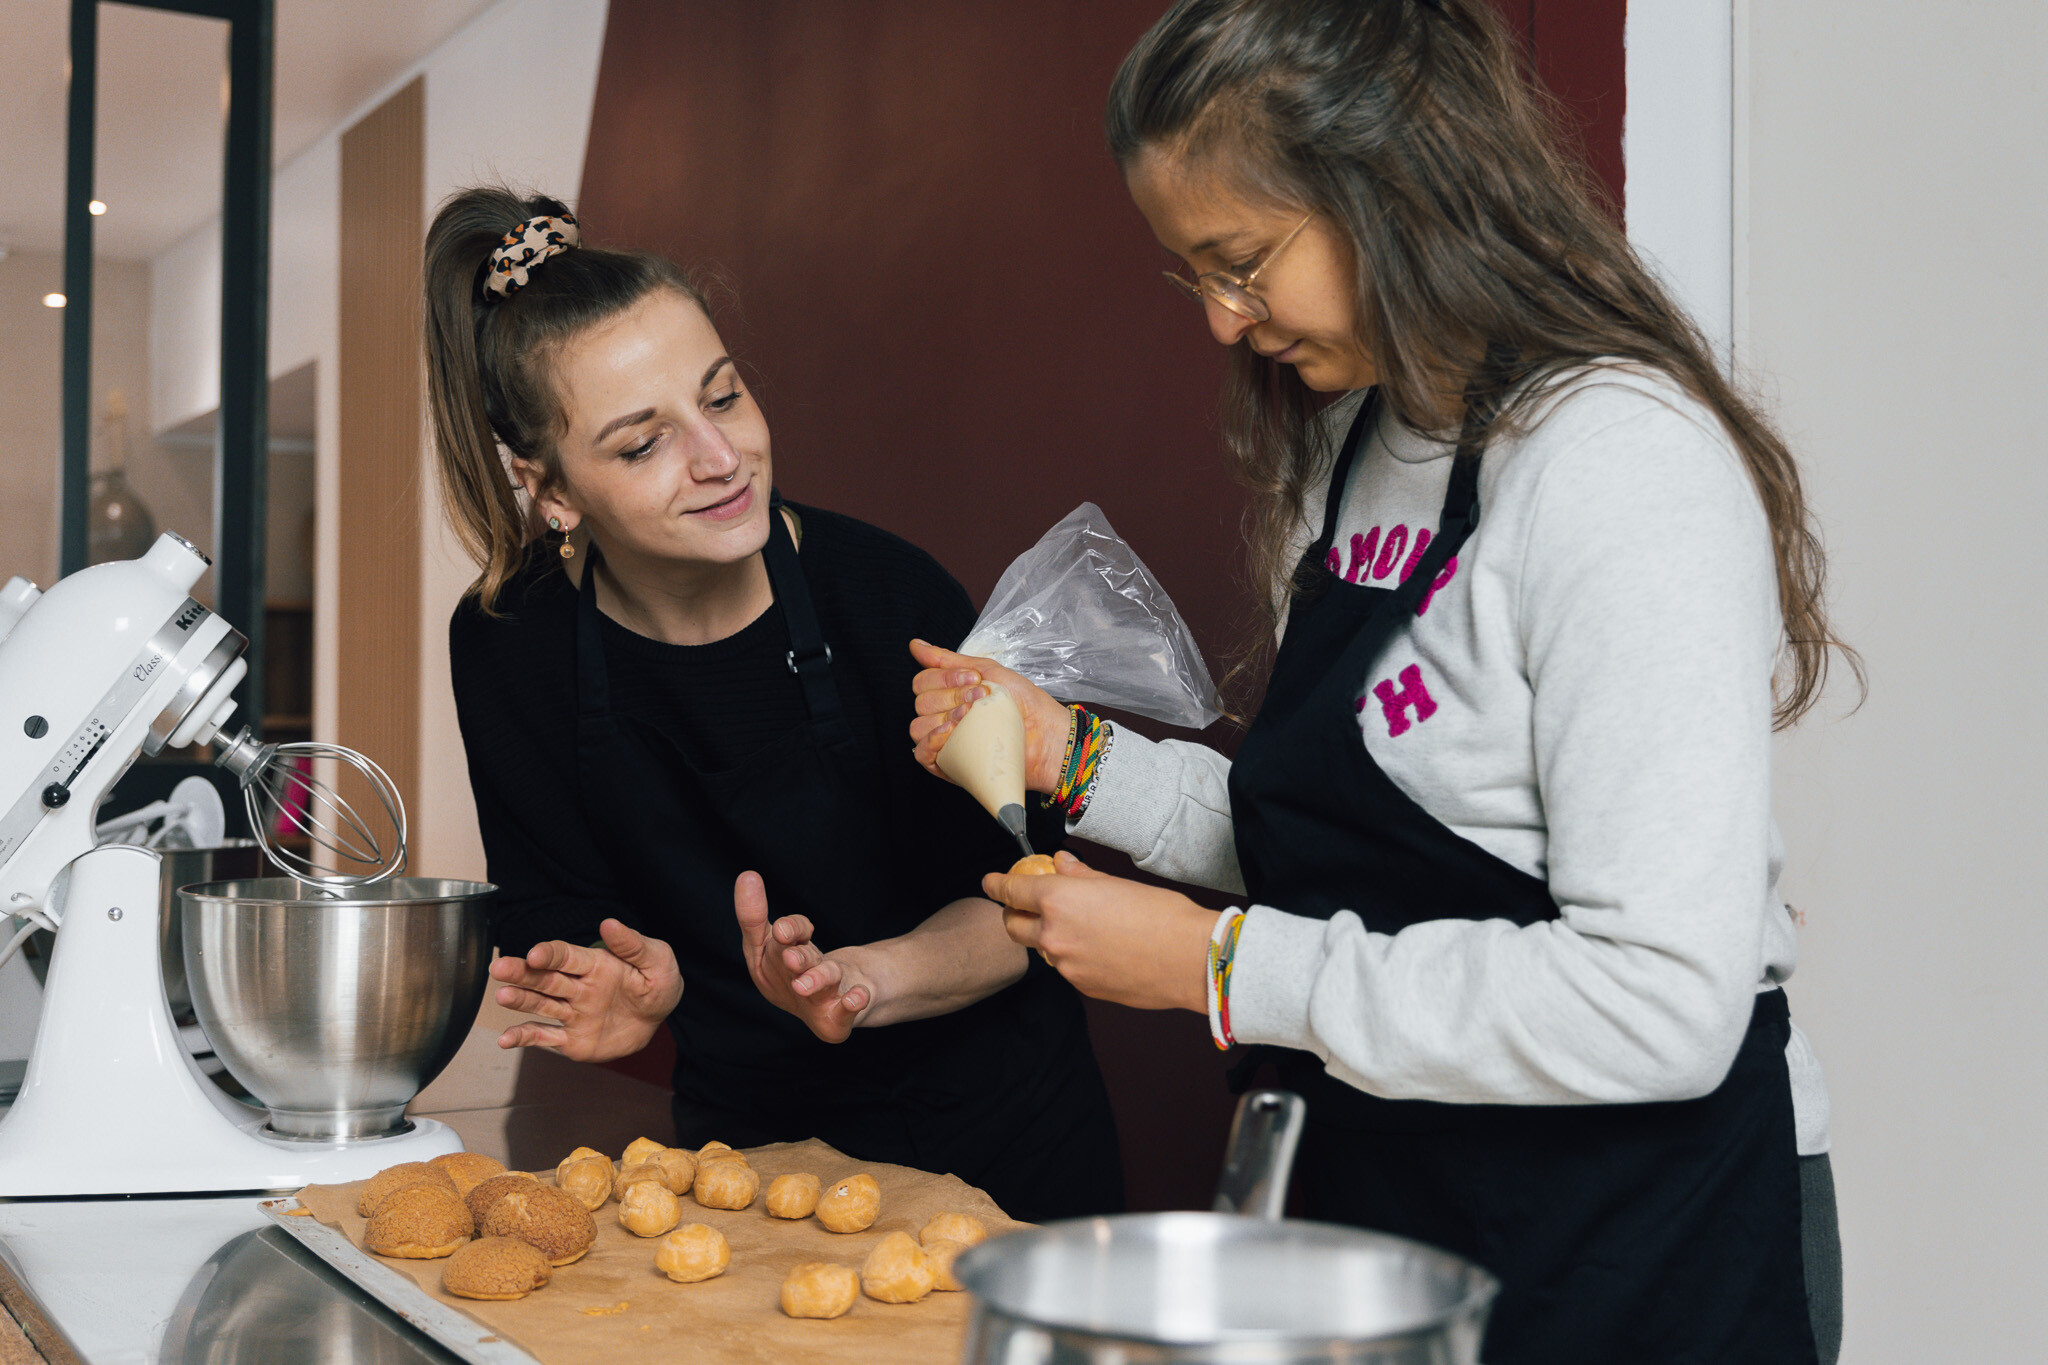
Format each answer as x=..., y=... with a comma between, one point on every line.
x=1166, y=803
x=1647, y=621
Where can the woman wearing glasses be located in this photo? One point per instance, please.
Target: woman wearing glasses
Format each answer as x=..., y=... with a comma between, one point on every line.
x=683, y=702
x=1502, y=822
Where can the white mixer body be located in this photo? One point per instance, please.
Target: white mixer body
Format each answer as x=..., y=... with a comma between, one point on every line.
x=114, y=661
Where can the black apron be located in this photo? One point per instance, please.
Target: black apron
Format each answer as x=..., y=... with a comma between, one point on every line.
x=1625, y=1233
x=1004, y=1093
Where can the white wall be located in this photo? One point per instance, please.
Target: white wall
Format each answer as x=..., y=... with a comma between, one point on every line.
x=1676, y=129
x=482, y=87
x=1894, y=196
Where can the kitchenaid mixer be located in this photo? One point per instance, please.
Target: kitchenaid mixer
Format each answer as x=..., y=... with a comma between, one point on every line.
x=111, y=663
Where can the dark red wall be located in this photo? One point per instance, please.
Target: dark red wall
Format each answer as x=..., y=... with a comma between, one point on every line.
x=954, y=317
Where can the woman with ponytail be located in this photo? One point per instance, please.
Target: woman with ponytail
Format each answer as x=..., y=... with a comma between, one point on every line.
x=1543, y=584
x=682, y=700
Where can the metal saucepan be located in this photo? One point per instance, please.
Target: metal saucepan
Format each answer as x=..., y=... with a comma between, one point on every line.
x=1241, y=1284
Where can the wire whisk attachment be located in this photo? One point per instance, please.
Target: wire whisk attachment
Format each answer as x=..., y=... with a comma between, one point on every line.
x=283, y=791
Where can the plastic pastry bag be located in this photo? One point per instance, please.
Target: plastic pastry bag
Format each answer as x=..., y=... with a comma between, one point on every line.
x=1080, y=615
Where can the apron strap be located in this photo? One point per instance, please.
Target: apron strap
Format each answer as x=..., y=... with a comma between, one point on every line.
x=810, y=658
x=1340, y=475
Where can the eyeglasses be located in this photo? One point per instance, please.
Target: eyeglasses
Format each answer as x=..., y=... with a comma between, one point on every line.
x=1231, y=291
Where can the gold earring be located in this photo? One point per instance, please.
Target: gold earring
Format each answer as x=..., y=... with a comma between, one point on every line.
x=568, y=550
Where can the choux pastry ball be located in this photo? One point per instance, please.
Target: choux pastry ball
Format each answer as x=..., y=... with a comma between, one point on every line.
x=647, y=1209
x=588, y=1178
x=693, y=1253
x=639, y=1150
x=678, y=1169
x=1034, y=865
x=819, y=1289
x=953, y=1227
x=793, y=1196
x=851, y=1205
x=942, y=1254
x=729, y=1184
x=897, y=1270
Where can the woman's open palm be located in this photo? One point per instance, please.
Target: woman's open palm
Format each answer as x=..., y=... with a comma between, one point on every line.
x=603, y=1003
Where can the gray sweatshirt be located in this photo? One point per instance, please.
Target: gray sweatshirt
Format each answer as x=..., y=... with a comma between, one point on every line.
x=1586, y=694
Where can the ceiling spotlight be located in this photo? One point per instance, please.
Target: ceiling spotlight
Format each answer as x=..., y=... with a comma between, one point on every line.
x=95, y=208
x=53, y=300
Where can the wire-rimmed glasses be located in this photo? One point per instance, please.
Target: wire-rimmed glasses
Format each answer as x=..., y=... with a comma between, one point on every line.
x=1232, y=291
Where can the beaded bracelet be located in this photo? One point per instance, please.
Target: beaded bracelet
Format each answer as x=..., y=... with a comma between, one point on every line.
x=1222, y=952
x=1088, y=744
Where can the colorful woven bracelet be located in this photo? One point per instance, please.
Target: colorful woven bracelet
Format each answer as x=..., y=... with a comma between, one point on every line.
x=1222, y=952
x=1089, y=745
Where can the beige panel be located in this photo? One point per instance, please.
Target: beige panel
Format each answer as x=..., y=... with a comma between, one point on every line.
x=378, y=638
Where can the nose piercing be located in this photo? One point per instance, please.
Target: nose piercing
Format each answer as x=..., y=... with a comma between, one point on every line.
x=728, y=478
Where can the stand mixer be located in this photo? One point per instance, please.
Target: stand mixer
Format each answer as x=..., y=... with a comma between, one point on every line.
x=118, y=661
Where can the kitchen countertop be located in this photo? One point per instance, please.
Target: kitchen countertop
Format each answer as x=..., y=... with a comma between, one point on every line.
x=165, y=1280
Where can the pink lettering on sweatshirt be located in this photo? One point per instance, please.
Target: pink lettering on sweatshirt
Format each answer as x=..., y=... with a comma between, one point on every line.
x=1394, y=704
x=1361, y=553
x=1372, y=557
x=1390, y=552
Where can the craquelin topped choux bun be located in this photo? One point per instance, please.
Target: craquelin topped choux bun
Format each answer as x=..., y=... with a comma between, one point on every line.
x=546, y=1218
x=468, y=1169
x=489, y=1191
x=418, y=1223
x=495, y=1268
x=392, y=1179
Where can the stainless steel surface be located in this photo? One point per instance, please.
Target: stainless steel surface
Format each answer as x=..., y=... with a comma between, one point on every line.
x=1145, y=1289
x=283, y=785
x=264, y=1300
x=335, y=1008
x=1260, y=1154
x=469, y=1339
x=1161, y=1287
x=188, y=1281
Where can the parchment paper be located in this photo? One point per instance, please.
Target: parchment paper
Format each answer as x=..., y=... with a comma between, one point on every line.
x=737, y=1316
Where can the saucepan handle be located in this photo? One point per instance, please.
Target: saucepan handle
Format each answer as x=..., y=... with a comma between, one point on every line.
x=1260, y=1155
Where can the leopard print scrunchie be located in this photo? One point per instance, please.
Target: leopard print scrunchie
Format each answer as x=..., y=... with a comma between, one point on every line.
x=525, y=247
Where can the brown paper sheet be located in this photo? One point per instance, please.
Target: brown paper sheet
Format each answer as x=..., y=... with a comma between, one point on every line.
x=736, y=1317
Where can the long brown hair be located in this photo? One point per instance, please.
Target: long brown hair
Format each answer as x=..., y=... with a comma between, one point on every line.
x=1415, y=127
x=488, y=358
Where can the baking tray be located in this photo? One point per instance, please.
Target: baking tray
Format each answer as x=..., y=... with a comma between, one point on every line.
x=450, y=1327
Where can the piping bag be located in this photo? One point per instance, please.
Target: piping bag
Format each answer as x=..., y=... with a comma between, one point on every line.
x=1081, y=616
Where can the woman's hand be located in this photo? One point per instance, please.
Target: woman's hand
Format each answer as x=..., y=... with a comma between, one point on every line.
x=828, y=991
x=606, y=1002
x=1115, y=939
x=950, y=683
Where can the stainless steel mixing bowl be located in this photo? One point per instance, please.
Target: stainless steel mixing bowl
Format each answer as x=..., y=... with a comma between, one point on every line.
x=335, y=1010
x=232, y=858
